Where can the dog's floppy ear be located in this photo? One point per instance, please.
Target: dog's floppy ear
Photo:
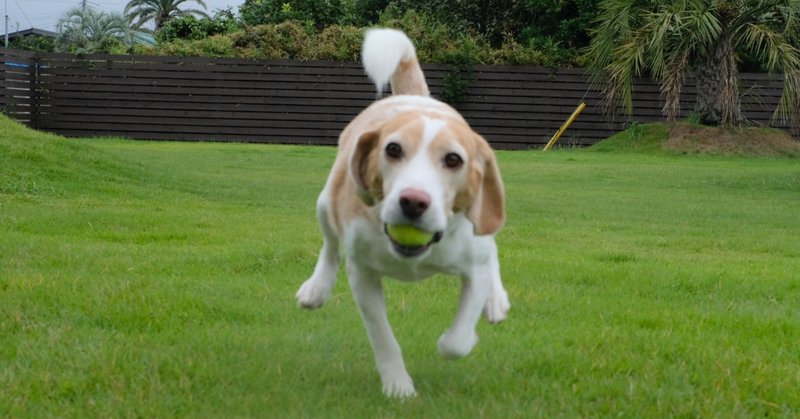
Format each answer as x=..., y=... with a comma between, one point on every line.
x=487, y=211
x=364, y=167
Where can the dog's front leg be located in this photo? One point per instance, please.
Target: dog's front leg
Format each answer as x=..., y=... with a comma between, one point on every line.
x=317, y=289
x=497, y=305
x=368, y=292
x=459, y=340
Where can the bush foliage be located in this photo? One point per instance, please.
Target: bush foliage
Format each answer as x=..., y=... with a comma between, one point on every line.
x=514, y=32
x=33, y=43
x=462, y=32
x=436, y=42
x=189, y=27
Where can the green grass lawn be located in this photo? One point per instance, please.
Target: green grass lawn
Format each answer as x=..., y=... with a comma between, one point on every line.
x=157, y=280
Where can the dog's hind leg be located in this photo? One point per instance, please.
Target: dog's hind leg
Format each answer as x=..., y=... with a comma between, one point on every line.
x=317, y=289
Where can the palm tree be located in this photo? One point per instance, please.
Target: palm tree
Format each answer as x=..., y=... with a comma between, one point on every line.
x=159, y=11
x=89, y=30
x=667, y=39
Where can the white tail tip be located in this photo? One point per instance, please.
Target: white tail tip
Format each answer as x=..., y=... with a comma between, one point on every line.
x=382, y=52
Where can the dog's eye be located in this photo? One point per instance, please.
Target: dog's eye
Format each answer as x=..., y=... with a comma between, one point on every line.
x=453, y=161
x=394, y=151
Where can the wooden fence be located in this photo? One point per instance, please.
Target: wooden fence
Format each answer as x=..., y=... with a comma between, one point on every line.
x=18, y=85
x=179, y=98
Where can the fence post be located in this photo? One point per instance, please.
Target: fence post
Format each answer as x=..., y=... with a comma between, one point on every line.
x=34, y=80
x=3, y=102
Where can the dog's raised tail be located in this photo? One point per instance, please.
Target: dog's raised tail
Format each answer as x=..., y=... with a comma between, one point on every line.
x=389, y=56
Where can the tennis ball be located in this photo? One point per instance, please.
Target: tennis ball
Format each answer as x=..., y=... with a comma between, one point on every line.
x=408, y=235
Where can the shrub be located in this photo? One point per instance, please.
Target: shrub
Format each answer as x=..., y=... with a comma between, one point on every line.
x=293, y=38
x=513, y=53
x=365, y=12
x=435, y=43
x=33, y=43
x=431, y=38
x=285, y=40
x=338, y=43
x=462, y=60
x=191, y=28
x=262, y=41
x=321, y=12
x=213, y=46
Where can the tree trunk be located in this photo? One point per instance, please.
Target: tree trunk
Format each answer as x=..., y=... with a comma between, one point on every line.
x=718, y=87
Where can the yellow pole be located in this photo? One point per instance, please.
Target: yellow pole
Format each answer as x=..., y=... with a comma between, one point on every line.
x=564, y=127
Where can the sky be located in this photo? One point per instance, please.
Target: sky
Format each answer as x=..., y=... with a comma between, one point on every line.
x=44, y=14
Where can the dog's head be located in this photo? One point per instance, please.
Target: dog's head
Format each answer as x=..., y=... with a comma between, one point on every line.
x=424, y=167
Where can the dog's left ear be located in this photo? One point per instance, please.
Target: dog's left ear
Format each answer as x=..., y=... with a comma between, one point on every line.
x=487, y=211
x=364, y=167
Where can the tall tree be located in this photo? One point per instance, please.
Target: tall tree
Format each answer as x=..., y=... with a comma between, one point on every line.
x=667, y=39
x=321, y=12
x=564, y=22
x=160, y=11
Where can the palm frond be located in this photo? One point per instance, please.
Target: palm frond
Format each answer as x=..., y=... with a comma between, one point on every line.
x=160, y=11
x=196, y=12
x=772, y=47
x=701, y=26
x=627, y=62
x=612, y=25
x=615, y=55
x=779, y=55
x=86, y=30
x=666, y=39
x=672, y=83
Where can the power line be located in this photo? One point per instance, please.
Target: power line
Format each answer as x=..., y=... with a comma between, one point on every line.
x=23, y=13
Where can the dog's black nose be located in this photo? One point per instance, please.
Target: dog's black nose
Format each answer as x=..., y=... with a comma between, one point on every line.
x=414, y=203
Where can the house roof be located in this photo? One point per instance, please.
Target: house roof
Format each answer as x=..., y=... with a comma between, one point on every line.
x=31, y=31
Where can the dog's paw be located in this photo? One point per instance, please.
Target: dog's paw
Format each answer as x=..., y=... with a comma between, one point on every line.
x=313, y=294
x=399, y=387
x=497, y=306
x=452, y=346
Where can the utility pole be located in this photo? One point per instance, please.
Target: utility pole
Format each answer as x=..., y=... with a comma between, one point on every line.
x=5, y=10
x=83, y=6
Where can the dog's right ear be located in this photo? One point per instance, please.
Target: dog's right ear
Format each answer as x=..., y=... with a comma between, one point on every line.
x=364, y=168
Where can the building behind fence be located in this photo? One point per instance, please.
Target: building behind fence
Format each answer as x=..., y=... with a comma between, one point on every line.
x=309, y=102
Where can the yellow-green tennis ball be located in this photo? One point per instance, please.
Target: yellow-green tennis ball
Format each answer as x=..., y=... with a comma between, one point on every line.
x=408, y=235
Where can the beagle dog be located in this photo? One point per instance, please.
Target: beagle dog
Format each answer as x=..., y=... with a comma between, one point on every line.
x=409, y=159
